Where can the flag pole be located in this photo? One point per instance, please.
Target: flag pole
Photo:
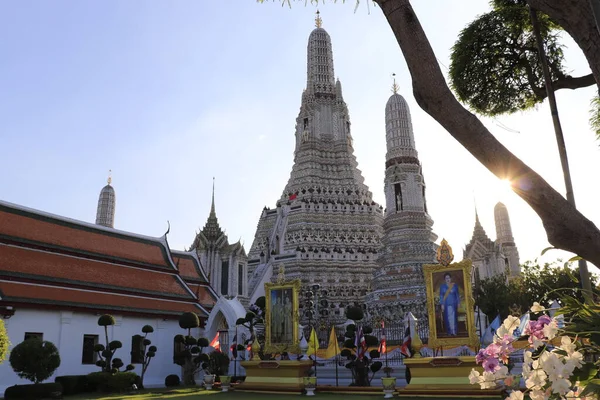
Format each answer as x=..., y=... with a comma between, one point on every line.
x=337, y=347
x=385, y=338
x=235, y=359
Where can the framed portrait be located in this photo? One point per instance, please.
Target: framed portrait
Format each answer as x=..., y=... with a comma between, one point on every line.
x=450, y=305
x=281, y=319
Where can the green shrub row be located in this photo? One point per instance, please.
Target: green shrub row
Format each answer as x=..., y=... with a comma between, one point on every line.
x=74, y=384
x=107, y=382
x=34, y=391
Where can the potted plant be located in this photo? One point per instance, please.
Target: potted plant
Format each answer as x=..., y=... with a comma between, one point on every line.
x=388, y=382
x=215, y=364
x=310, y=383
x=225, y=383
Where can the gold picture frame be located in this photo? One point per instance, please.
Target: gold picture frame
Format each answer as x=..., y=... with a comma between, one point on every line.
x=450, y=305
x=281, y=317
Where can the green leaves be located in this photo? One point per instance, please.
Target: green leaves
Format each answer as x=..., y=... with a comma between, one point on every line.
x=189, y=320
x=34, y=359
x=4, y=342
x=106, y=320
x=495, y=66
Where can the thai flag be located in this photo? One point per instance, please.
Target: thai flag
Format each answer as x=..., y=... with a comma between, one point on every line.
x=215, y=343
x=360, y=343
x=234, y=352
x=405, y=348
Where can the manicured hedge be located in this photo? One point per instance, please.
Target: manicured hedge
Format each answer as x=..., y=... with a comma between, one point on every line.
x=172, y=380
x=34, y=391
x=74, y=384
x=107, y=382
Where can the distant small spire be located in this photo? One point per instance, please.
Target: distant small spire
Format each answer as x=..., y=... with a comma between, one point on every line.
x=212, y=207
x=109, y=176
x=395, y=86
x=318, y=20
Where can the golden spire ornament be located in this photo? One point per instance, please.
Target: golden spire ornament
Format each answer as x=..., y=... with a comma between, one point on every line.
x=318, y=20
x=444, y=253
x=109, y=176
x=395, y=86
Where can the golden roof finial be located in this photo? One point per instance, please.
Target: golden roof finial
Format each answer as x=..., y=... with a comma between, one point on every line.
x=444, y=253
x=318, y=20
x=109, y=176
x=395, y=86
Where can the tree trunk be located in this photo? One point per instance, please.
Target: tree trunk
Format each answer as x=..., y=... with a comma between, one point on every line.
x=189, y=368
x=577, y=18
x=565, y=227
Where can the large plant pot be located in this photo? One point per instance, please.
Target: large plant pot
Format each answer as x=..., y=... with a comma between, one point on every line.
x=310, y=385
x=209, y=381
x=225, y=382
x=389, y=386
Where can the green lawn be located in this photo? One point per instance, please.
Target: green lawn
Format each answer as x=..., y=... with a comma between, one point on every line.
x=211, y=395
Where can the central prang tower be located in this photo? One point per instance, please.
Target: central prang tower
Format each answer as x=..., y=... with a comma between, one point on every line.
x=408, y=241
x=326, y=228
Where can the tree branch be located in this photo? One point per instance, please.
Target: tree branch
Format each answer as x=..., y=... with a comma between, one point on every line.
x=565, y=227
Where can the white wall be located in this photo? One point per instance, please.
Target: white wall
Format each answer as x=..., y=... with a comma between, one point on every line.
x=66, y=329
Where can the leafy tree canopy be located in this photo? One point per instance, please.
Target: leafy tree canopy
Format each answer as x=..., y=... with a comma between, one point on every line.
x=542, y=283
x=4, y=342
x=34, y=359
x=495, y=66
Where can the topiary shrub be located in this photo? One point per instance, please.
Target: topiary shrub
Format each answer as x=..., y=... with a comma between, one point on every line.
x=35, y=391
x=172, y=381
x=107, y=352
x=4, y=342
x=73, y=384
x=189, y=348
x=216, y=363
x=363, y=365
x=122, y=381
x=98, y=381
x=148, y=351
x=107, y=382
x=34, y=359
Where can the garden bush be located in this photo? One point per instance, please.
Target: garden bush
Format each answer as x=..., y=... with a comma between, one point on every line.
x=74, y=384
x=107, y=382
x=34, y=359
x=34, y=391
x=172, y=380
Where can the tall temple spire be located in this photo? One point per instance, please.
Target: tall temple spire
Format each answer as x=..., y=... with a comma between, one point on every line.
x=408, y=241
x=324, y=146
x=212, y=206
x=212, y=230
x=399, y=135
x=105, y=214
x=320, y=74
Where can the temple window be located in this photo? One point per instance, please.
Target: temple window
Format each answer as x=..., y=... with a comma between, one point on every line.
x=224, y=277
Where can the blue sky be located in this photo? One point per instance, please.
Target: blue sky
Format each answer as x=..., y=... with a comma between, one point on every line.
x=168, y=94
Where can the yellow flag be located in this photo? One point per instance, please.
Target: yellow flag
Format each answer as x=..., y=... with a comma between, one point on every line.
x=332, y=348
x=313, y=343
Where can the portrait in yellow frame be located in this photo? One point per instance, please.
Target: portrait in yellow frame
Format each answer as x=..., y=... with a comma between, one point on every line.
x=450, y=305
x=281, y=317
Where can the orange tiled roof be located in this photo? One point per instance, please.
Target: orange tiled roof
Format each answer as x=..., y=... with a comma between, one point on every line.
x=21, y=293
x=39, y=227
x=42, y=265
x=205, y=296
x=187, y=266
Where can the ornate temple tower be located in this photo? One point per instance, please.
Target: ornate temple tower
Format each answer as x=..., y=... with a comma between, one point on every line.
x=105, y=215
x=408, y=241
x=505, y=239
x=226, y=265
x=493, y=257
x=326, y=228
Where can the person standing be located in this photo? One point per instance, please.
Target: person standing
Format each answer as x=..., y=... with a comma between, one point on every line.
x=449, y=300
